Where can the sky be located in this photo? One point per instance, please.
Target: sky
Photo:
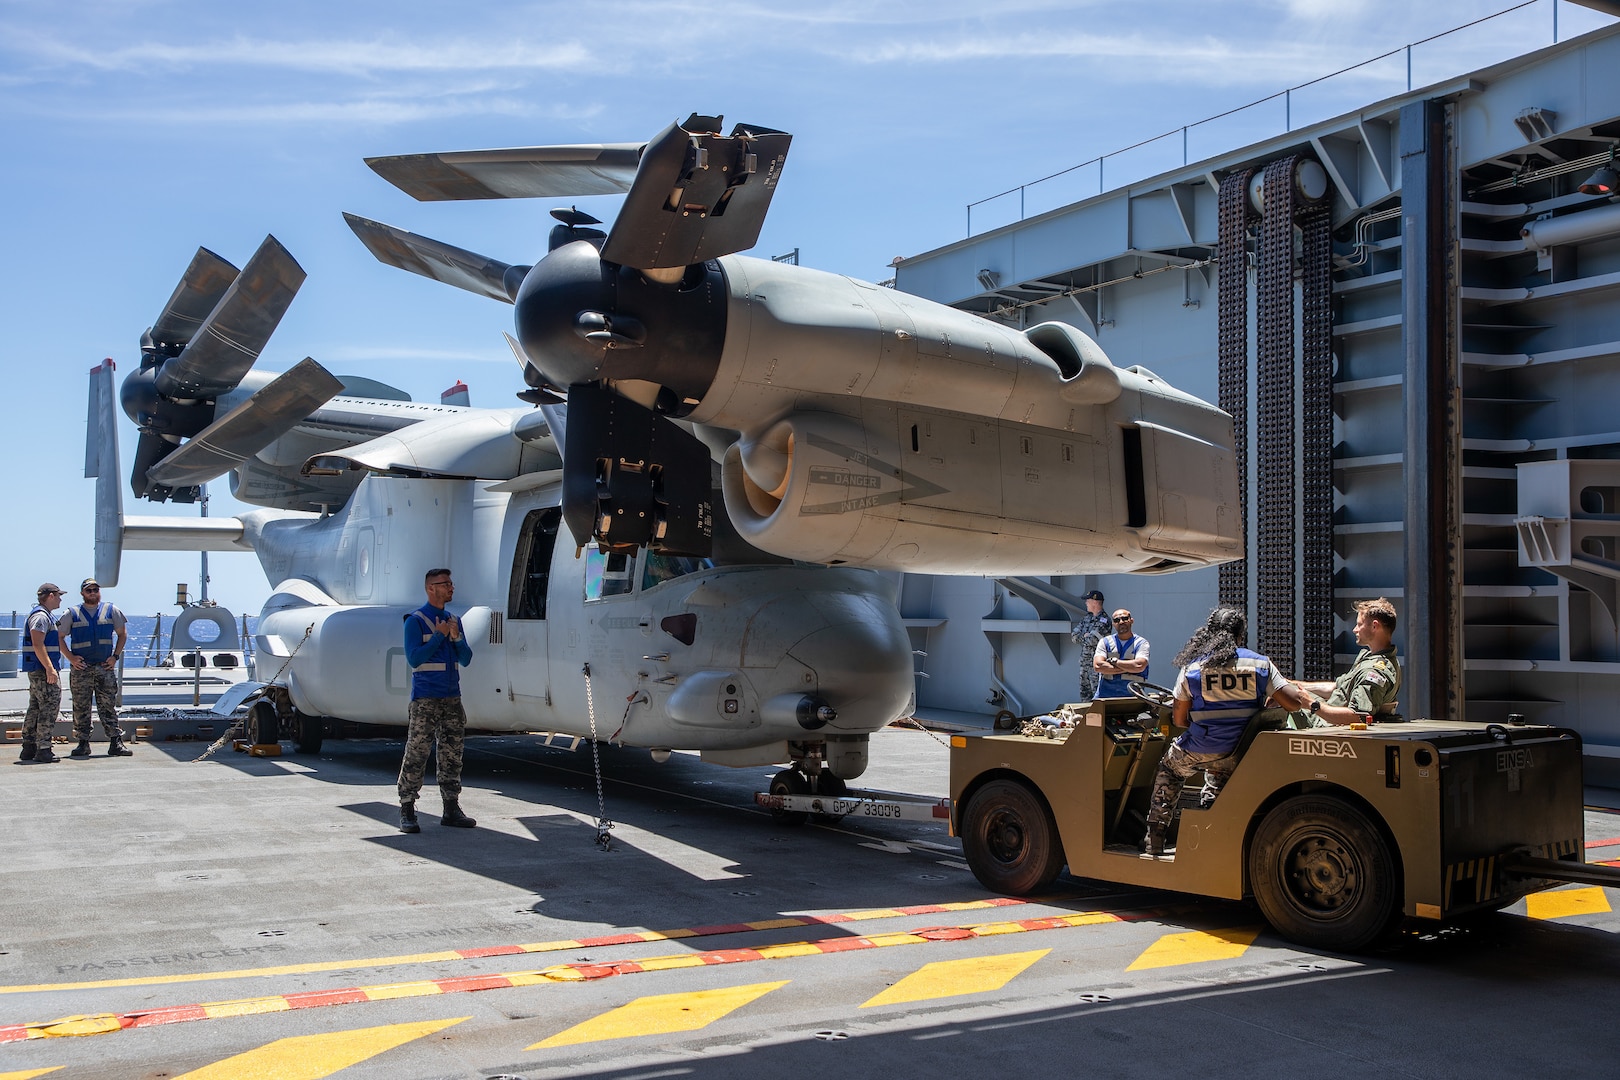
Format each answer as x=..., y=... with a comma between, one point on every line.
x=136, y=131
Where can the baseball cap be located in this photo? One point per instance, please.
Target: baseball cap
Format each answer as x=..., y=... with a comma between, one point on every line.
x=87, y=582
x=1092, y=595
x=47, y=588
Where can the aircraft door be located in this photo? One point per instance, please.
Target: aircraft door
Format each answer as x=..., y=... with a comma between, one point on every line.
x=528, y=668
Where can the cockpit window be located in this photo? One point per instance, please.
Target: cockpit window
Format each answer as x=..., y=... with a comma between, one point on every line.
x=607, y=574
x=657, y=569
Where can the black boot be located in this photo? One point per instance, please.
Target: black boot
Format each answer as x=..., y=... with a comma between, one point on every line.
x=1153, y=843
x=117, y=748
x=82, y=750
x=407, y=818
x=454, y=817
x=45, y=756
x=28, y=751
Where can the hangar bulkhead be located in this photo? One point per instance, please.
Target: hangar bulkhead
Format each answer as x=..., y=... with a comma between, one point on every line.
x=1413, y=312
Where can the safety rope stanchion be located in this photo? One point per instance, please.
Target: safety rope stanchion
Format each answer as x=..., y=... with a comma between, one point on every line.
x=604, y=827
x=236, y=728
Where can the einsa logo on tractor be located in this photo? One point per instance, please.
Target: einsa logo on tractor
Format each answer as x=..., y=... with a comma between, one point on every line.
x=1305, y=747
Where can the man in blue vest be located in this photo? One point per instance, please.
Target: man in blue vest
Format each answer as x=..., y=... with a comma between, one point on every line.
x=41, y=656
x=94, y=633
x=1221, y=685
x=436, y=651
x=1121, y=658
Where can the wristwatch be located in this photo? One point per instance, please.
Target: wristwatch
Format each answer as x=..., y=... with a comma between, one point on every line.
x=1316, y=705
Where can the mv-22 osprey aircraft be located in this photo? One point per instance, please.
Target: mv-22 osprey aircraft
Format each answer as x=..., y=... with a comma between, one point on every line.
x=741, y=655
x=850, y=425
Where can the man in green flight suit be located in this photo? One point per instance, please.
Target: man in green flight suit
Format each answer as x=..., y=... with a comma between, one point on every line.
x=1372, y=682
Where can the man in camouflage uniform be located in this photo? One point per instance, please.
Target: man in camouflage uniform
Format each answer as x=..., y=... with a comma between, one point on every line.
x=1086, y=633
x=93, y=635
x=41, y=656
x=436, y=651
x=1373, y=681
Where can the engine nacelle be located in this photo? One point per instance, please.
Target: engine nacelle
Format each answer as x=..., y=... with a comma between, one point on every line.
x=898, y=489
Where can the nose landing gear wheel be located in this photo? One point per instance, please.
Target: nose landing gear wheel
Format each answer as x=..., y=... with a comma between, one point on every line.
x=790, y=782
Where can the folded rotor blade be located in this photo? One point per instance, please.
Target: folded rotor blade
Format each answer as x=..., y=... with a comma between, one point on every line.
x=237, y=330
x=248, y=428
x=149, y=450
x=101, y=461
x=200, y=289
x=697, y=195
x=442, y=262
x=524, y=172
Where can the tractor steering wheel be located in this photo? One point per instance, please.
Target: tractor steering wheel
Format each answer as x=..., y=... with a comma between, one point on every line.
x=1153, y=694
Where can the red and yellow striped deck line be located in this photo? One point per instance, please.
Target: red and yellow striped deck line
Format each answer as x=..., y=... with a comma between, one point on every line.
x=106, y=1023
x=627, y=938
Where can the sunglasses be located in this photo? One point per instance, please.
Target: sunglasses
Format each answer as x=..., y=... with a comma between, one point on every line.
x=1122, y=618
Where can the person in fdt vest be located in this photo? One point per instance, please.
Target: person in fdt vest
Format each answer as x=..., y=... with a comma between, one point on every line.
x=93, y=634
x=1121, y=658
x=436, y=651
x=41, y=656
x=1221, y=685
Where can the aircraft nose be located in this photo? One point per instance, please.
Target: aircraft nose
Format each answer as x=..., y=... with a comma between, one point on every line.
x=862, y=664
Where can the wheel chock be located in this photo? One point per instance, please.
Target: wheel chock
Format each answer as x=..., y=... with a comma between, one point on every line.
x=239, y=745
x=272, y=749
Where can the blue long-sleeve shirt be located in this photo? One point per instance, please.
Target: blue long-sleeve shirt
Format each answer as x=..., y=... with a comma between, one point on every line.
x=435, y=660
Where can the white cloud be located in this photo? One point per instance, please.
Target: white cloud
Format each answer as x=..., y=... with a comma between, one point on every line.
x=345, y=57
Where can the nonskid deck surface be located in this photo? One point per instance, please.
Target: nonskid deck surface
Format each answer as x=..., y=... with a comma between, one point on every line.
x=250, y=908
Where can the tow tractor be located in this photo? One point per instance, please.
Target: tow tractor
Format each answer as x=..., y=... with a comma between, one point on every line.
x=1336, y=833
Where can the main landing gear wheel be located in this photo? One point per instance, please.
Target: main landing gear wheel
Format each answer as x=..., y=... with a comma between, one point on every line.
x=790, y=782
x=1010, y=839
x=1153, y=694
x=263, y=723
x=1323, y=875
x=309, y=732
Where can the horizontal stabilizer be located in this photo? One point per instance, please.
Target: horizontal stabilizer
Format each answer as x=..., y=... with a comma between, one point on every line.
x=200, y=289
x=697, y=195
x=526, y=172
x=248, y=428
x=442, y=262
x=236, y=331
x=184, y=534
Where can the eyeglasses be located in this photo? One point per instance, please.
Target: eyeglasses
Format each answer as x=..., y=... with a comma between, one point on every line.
x=91, y=588
x=446, y=584
x=1122, y=618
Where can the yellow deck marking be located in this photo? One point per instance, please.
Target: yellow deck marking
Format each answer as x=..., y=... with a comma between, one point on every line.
x=661, y=1015
x=1196, y=947
x=29, y=1074
x=953, y=978
x=310, y=1057
x=1566, y=902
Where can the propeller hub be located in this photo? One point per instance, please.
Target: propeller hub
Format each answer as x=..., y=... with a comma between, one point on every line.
x=581, y=319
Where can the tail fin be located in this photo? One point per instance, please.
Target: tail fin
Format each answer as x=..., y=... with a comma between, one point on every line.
x=113, y=531
x=101, y=462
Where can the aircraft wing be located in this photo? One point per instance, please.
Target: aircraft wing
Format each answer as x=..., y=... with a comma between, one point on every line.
x=526, y=172
x=440, y=261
